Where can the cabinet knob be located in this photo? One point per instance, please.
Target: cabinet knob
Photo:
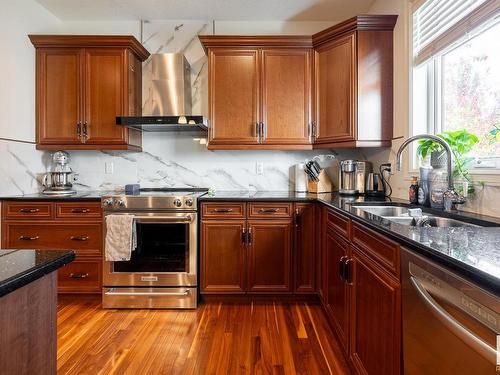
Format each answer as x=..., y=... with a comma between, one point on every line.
x=223, y=210
x=80, y=210
x=29, y=210
x=28, y=238
x=85, y=132
x=79, y=275
x=79, y=238
x=269, y=210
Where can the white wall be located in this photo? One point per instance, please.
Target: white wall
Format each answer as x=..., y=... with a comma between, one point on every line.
x=18, y=18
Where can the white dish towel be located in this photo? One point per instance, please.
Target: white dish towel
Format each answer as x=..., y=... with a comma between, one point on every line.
x=121, y=237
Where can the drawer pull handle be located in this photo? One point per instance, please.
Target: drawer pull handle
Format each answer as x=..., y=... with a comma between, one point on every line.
x=28, y=238
x=29, y=210
x=80, y=210
x=79, y=238
x=79, y=275
x=269, y=210
x=223, y=210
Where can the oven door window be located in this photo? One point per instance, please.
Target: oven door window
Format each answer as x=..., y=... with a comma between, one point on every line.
x=160, y=248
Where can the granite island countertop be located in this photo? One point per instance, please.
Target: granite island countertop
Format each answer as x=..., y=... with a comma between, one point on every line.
x=473, y=252
x=21, y=267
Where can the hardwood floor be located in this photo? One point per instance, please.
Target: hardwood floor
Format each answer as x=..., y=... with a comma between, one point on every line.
x=217, y=338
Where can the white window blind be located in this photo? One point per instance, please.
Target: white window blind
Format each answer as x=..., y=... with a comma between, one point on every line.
x=439, y=23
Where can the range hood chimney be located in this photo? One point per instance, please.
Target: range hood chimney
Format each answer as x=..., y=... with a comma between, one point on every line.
x=168, y=104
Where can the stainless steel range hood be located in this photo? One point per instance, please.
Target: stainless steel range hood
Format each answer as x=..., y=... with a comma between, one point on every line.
x=167, y=89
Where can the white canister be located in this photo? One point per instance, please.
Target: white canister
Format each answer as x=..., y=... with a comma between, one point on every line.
x=300, y=178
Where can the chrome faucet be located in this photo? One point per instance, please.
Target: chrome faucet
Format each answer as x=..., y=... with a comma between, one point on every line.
x=450, y=197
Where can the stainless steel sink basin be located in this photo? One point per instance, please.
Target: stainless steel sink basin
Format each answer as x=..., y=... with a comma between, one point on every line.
x=399, y=215
x=384, y=210
x=432, y=221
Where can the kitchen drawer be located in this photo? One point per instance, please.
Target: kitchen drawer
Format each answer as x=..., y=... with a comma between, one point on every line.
x=81, y=276
x=270, y=210
x=377, y=247
x=79, y=210
x=339, y=223
x=84, y=239
x=226, y=210
x=27, y=210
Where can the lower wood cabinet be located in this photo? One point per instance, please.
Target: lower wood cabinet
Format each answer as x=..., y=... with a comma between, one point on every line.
x=84, y=275
x=360, y=292
x=337, y=287
x=223, y=256
x=375, y=344
x=253, y=252
x=304, y=250
x=269, y=252
x=65, y=225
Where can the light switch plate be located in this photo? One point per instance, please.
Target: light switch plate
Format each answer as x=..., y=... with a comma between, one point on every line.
x=108, y=167
x=259, y=168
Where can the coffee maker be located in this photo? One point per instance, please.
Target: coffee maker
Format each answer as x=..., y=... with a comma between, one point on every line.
x=352, y=176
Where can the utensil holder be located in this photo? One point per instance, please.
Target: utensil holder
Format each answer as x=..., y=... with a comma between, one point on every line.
x=324, y=185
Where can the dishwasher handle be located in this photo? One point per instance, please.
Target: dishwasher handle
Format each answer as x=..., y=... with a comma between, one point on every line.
x=469, y=337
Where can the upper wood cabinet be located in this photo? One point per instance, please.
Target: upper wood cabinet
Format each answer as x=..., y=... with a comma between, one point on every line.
x=354, y=83
x=259, y=92
x=82, y=84
x=329, y=90
x=335, y=75
x=286, y=96
x=234, y=97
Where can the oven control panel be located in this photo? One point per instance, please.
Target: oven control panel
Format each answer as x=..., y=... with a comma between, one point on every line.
x=143, y=202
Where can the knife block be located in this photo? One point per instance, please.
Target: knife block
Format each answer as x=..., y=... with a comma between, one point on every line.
x=324, y=185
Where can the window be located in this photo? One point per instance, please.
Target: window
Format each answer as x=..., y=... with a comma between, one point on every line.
x=456, y=74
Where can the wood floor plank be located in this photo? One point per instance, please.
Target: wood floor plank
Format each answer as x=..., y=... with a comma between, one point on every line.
x=216, y=339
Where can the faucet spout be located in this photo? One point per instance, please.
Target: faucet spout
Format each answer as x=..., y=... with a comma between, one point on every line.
x=446, y=146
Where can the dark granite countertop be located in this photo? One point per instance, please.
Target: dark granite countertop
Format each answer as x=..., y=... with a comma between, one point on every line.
x=21, y=267
x=473, y=252
x=79, y=196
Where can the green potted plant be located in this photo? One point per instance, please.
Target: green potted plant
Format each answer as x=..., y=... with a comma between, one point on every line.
x=461, y=143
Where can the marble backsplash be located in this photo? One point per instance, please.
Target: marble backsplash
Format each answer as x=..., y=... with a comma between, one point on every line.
x=168, y=160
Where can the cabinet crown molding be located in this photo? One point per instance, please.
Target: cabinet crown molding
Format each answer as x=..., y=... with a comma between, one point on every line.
x=357, y=23
x=82, y=41
x=256, y=41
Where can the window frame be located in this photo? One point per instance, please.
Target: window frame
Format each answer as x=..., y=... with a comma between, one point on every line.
x=434, y=102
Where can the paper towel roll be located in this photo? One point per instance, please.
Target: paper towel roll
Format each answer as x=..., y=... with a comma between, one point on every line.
x=300, y=178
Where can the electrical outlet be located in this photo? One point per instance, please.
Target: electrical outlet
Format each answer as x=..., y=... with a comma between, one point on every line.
x=108, y=167
x=259, y=168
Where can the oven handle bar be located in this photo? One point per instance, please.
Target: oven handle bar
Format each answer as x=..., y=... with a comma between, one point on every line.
x=164, y=219
x=111, y=292
x=481, y=347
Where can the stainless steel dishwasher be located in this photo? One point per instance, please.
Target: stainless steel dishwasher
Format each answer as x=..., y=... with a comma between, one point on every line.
x=450, y=325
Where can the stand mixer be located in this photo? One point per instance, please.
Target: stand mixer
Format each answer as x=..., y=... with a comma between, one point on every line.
x=59, y=181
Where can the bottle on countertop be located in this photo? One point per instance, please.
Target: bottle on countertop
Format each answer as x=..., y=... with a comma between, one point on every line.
x=413, y=191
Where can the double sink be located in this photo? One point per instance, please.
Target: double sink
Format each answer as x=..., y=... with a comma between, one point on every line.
x=400, y=214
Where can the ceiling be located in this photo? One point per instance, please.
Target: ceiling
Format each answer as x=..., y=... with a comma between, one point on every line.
x=233, y=10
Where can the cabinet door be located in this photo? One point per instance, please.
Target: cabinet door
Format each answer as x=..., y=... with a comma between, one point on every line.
x=58, y=95
x=336, y=90
x=223, y=256
x=269, y=250
x=337, y=289
x=375, y=342
x=233, y=97
x=286, y=96
x=105, y=94
x=304, y=259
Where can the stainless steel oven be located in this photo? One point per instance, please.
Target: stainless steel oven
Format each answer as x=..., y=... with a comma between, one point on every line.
x=162, y=270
